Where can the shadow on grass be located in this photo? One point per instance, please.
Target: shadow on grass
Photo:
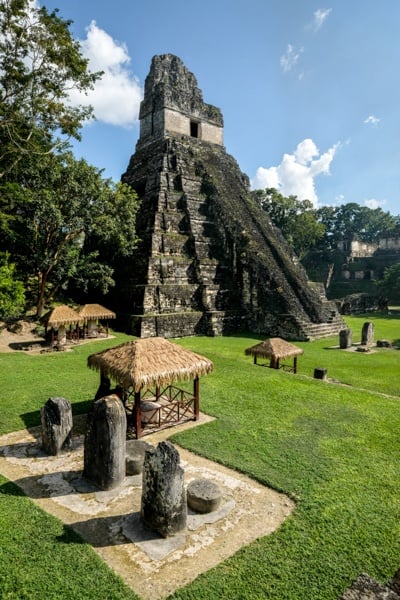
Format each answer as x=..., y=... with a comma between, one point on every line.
x=32, y=419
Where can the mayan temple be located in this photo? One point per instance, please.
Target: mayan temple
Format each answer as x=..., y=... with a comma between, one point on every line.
x=209, y=261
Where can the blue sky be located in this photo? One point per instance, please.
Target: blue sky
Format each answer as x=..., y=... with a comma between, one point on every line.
x=310, y=92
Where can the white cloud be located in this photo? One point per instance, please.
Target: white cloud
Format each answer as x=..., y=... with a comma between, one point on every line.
x=320, y=17
x=372, y=120
x=296, y=173
x=116, y=96
x=374, y=203
x=291, y=57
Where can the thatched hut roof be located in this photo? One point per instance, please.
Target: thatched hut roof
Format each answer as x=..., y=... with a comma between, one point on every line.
x=148, y=362
x=61, y=315
x=276, y=348
x=95, y=311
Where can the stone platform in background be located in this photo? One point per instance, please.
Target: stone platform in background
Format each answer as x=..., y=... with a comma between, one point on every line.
x=152, y=566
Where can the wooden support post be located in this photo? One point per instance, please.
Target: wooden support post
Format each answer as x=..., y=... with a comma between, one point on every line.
x=196, y=394
x=255, y=359
x=137, y=416
x=295, y=364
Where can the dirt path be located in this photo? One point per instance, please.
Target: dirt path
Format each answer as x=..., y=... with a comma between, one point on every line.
x=10, y=342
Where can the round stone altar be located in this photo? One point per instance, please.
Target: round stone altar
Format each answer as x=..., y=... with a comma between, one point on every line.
x=203, y=495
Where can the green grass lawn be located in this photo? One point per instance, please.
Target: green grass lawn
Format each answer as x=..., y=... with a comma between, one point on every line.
x=333, y=448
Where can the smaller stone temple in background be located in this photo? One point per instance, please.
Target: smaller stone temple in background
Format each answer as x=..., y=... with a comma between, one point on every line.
x=209, y=261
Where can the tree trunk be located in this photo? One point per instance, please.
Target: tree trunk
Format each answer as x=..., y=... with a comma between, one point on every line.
x=40, y=302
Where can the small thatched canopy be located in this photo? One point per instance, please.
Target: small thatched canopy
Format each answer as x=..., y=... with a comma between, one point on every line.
x=61, y=315
x=148, y=362
x=95, y=311
x=275, y=349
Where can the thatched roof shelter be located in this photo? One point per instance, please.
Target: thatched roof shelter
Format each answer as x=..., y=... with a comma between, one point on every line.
x=61, y=315
x=148, y=362
x=95, y=311
x=275, y=349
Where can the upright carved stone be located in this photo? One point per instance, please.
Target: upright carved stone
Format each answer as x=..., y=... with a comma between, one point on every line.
x=367, y=334
x=164, y=506
x=56, y=419
x=209, y=260
x=105, y=443
x=345, y=338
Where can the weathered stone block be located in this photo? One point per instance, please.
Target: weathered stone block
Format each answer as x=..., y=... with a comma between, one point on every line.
x=135, y=451
x=203, y=495
x=320, y=373
x=56, y=419
x=105, y=443
x=383, y=344
x=345, y=338
x=163, y=507
x=367, y=333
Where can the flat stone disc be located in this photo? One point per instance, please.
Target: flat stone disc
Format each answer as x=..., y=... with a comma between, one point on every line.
x=203, y=495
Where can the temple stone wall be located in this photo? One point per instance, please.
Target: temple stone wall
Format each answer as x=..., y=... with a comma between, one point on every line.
x=209, y=260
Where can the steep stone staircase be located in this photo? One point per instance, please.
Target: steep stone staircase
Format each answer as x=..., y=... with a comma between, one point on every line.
x=309, y=331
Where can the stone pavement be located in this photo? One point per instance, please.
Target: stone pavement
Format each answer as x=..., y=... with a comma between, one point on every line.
x=110, y=520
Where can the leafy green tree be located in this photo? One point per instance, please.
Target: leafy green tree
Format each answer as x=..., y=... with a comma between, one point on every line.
x=390, y=283
x=12, y=294
x=39, y=63
x=64, y=213
x=349, y=220
x=297, y=219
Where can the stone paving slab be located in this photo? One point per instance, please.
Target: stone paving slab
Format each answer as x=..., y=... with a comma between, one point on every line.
x=110, y=520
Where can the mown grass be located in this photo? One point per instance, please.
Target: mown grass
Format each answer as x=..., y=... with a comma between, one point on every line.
x=41, y=559
x=333, y=448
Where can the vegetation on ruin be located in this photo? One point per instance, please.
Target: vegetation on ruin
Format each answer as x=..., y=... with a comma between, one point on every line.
x=332, y=447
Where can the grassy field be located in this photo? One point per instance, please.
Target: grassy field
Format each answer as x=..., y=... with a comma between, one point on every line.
x=333, y=448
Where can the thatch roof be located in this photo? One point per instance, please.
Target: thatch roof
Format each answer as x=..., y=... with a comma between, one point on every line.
x=95, y=311
x=61, y=315
x=274, y=348
x=148, y=362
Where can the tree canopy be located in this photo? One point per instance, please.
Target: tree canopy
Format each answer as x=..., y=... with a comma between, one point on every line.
x=390, y=283
x=297, y=219
x=349, y=220
x=307, y=228
x=39, y=63
x=61, y=221
x=12, y=294
x=65, y=216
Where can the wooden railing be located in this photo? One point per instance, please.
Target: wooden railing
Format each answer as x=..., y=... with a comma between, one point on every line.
x=167, y=407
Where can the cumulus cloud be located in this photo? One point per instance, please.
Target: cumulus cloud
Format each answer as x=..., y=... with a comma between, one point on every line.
x=116, y=96
x=291, y=57
x=320, y=17
x=296, y=173
x=374, y=203
x=372, y=120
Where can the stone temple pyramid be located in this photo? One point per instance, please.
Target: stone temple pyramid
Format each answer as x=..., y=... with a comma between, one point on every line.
x=209, y=261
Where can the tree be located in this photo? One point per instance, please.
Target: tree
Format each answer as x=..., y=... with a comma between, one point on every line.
x=62, y=206
x=349, y=220
x=39, y=63
x=297, y=219
x=12, y=295
x=390, y=283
